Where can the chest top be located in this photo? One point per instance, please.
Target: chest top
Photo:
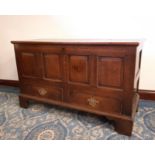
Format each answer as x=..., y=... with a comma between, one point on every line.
x=82, y=41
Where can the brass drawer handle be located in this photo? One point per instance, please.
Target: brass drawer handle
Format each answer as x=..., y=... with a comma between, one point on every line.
x=92, y=101
x=42, y=91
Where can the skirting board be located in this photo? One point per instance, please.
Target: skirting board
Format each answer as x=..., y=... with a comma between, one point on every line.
x=147, y=94
x=13, y=83
x=144, y=94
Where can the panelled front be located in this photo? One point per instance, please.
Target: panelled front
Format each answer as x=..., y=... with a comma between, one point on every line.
x=41, y=70
x=88, y=76
x=92, y=76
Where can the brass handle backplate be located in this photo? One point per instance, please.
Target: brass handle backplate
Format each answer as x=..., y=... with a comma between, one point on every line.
x=92, y=101
x=42, y=91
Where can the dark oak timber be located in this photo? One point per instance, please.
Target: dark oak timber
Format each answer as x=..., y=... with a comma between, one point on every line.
x=95, y=76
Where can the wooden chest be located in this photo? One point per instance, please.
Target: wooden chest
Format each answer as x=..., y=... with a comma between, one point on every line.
x=95, y=76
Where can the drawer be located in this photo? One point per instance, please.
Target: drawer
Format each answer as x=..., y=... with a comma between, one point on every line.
x=50, y=92
x=94, y=102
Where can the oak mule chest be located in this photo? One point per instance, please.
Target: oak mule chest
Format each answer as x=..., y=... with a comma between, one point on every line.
x=95, y=76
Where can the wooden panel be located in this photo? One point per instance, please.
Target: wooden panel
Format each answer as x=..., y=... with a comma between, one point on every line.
x=39, y=48
x=97, y=50
x=29, y=65
x=79, y=69
x=43, y=91
x=53, y=66
x=98, y=91
x=94, y=102
x=110, y=71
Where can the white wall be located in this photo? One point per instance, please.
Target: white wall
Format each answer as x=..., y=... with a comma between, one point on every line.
x=34, y=27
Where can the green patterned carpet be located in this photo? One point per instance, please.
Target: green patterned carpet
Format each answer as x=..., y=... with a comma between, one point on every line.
x=50, y=122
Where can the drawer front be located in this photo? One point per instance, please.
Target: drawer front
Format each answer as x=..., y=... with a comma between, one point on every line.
x=94, y=102
x=54, y=93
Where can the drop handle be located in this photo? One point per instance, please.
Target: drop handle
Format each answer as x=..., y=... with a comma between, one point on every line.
x=42, y=91
x=92, y=101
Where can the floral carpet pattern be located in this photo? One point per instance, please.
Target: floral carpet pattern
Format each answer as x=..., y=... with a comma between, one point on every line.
x=44, y=122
